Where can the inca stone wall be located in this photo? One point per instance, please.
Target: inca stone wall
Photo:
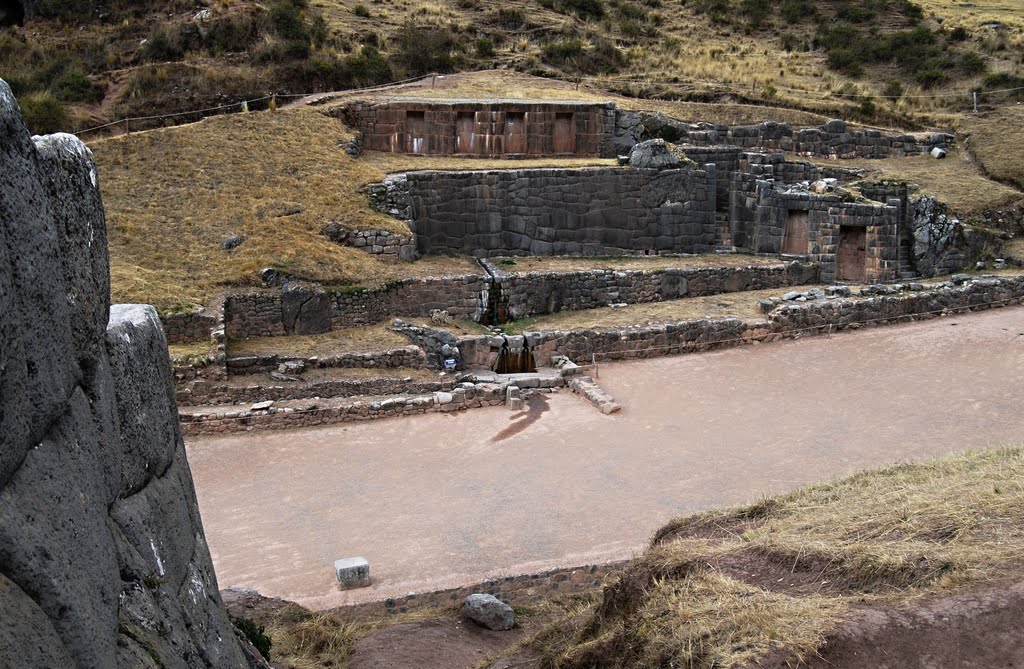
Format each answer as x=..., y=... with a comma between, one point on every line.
x=265, y=313
x=103, y=562
x=482, y=128
x=543, y=212
x=833, y=139
x=534, y=293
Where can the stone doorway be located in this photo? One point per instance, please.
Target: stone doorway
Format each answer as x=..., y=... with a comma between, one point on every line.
x=416, y=132
x=515, y=132
x=564, y=134
x=796, y=236
x=465, y=133
x=851, y=254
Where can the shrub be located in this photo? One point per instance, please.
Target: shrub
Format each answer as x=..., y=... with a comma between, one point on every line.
x=510, y=18
x=164, y=43
x=755, y=11
x=893, y=90
x=369, y=67
x=256, y=634
x=74, y=86
x=425, y=49
x=361, y=11
x=795, y=11
x=931, y=78
x=958, y=34
x=584, y=9
x=43, y=113
x=484, y=48
x=717, y=10
x=971, y=63
x=287, y=21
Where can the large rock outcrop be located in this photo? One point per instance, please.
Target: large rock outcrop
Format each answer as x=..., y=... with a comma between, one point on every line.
x=103, y=562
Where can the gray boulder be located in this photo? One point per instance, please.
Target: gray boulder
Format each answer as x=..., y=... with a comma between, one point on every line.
x=103, y=562
x=654, y=154
x=489, y=611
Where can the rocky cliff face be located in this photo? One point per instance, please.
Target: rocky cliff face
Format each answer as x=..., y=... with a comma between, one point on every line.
x=103, y=562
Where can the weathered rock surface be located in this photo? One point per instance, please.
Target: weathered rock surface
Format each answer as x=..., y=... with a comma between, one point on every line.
x=103, y=562
x=489, y=611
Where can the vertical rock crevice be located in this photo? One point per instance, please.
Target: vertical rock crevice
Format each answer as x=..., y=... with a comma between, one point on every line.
x=103, y=562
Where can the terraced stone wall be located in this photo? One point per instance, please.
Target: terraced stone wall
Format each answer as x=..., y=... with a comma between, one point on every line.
x=483, y=128
x=609, y=211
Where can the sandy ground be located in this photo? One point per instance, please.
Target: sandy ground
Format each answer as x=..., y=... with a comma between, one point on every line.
x=435, y=501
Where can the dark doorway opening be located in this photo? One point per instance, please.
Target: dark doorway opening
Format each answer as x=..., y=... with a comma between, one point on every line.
x=796, y=236
x=12, y=13
x=851, y=255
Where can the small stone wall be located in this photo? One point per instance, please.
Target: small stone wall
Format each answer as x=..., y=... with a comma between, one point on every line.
x=825, y=216
x=834, y=139
x=187, y=327
x=484, y=128
x=598, y=211
x=383, y=243
x=210, y=394
x=410, y=357
x=549, y=292
x=787, y=321
x=466, y=396
x=260, y=313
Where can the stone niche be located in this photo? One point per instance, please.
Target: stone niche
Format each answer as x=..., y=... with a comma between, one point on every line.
x=485, y=129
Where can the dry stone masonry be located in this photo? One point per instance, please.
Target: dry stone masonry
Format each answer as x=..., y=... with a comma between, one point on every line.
x=103, y=562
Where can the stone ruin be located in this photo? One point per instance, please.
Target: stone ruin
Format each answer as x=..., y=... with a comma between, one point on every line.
x=103, y=561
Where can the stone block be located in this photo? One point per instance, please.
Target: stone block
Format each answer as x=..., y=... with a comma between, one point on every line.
x=353, y=572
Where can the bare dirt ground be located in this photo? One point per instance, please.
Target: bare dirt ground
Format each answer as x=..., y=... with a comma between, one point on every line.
x=434, y=501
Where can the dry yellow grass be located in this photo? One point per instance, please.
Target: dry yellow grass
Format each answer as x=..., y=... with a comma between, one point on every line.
x=400, y=162
x=522, y=265
x=344, y=340
x=994, y=139
x=879, y=537
x=954, y=180
x=275, y=179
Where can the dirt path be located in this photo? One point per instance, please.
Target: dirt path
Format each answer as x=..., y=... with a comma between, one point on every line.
x=434, y=501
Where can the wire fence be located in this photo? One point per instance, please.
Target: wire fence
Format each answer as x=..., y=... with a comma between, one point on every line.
x=682, y=347
x=972, y=96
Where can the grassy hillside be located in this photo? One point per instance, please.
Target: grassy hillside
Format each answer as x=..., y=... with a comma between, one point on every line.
x=275, y=179
x=778, y=577
x=79, y=64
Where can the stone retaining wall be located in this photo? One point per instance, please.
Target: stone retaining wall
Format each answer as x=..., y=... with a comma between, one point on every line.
x=187, y=327
x=833, y=139
x=382, y=243
x=210, y=394
x=596, y=211
x=261, y=314
x=409, y=357
x=534, y=293
x=466, y=396
x=484, y=128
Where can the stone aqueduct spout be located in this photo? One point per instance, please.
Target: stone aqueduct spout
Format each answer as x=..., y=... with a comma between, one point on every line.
x=103, y=561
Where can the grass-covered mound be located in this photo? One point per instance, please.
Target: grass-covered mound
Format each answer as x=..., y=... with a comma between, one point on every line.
x=778, y=577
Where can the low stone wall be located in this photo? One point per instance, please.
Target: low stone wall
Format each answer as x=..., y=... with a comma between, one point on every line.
x=466, y=396
x=383, y=243
x=211, y=394
x=590, y=211
x=188, y=327
x=834, y=139
x=549, y=292
x=786, y=321
x=261, y=313
x=408, y=356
